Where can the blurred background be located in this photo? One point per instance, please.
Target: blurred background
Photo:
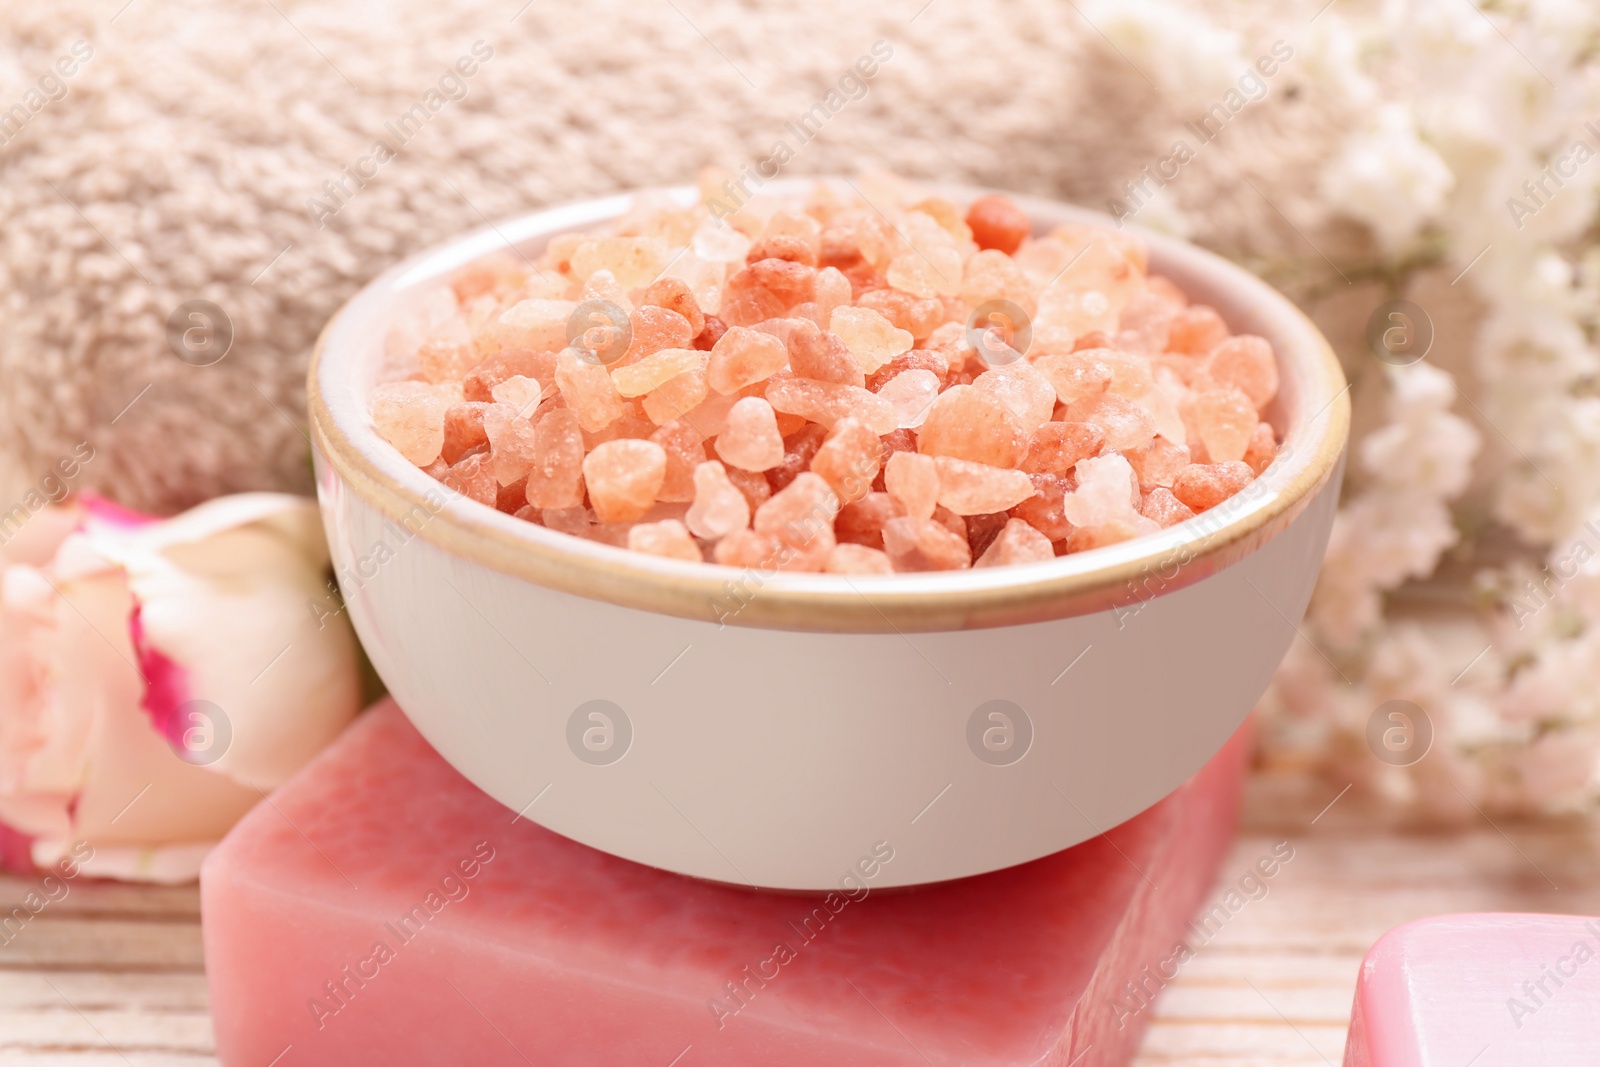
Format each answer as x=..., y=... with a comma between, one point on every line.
x=1420, y=177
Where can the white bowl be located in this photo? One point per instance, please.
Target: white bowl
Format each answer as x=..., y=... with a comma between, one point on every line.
x=828, y=721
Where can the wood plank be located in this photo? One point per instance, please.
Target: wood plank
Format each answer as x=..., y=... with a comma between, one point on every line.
x=104, y=944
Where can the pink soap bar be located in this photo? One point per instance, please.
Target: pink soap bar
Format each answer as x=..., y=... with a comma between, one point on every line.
x=382, y=910
x=1486, y=990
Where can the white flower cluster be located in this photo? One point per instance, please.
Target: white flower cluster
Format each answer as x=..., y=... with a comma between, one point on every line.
x=1474, y=165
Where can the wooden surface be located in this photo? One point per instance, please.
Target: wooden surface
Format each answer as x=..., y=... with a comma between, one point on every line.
x=113, y=974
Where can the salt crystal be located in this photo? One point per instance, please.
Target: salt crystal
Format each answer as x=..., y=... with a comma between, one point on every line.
x=651, y=329
x=751, y=440
x=743, y=357
x=588, y=390
x=916, y=359
x=521, y=392
x=508, y=363
x=1157, y=463
x=668, y=538
x=539, y=325
x=801, y=516
x=1161, y=506
x=861, y=522
x=1224, y=420
x=1196, y=330
x=918, y=316
x=872, y=339
x=1017, y=542
x=1045, y=510
x=975, y=488
x=924, y=545
x=1145, y=322
x=787, y=246
x=928, y=272
x=756, y=551
x=1246, y=363
x=574, y=520
x=997, y=222
x=624, y=477
x=686, y=450
x=719, y=242
x=410, y=416
x=635, y=261
x=719, y=508
x=1262, y=450
x=794, y=225
x=992, y=275
x=602, y=285
x=818, y=354
x=969, y=424
x=674, y=295
x=1205, y=485
x=442, y=361
x=463, y=429
x=786, y=280
x=755, y=486
x=1125, y=424
x=912, y=479
x=751, y=306
x=512, y=443
x=1075, y=375
x=911, y=393
x=857, y=559
x=1021, y=388
x=830, y=289
x=849, y=459
x=1107, y=493
x=799, y=447
x=654, y=370
x=828, y=402
x=1056, y=447
x=1111, y=533
x=555, y=481
x=472, y=477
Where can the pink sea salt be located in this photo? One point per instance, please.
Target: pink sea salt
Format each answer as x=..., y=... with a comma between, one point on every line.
x=967, y=424
x=801, y=515
x=743, y=357
x=555, y=478
x=924, y=545
x=1246, y=363
x=1205, y=485
x=668, y=537
x=825, y=403
x=410, y=416
x=1017, y=542
x=750, y=440
x=623, y=478
x=824, y=336
x=849, y=459
x=719, y=508
x=975, y=488
x=857, y=559
x=912, y=480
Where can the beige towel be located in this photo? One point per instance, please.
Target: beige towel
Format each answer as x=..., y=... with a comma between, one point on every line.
x=180, y=159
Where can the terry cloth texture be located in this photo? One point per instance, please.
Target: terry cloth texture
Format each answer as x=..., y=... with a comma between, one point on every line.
x=181, y=159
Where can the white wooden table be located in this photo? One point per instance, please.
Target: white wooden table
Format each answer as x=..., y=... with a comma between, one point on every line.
x=114, y=975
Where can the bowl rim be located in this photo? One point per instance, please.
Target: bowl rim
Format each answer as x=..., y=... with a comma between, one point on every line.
x=1107, y=578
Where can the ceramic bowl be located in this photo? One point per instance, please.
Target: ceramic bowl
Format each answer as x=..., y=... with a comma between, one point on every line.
x=794, y=730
